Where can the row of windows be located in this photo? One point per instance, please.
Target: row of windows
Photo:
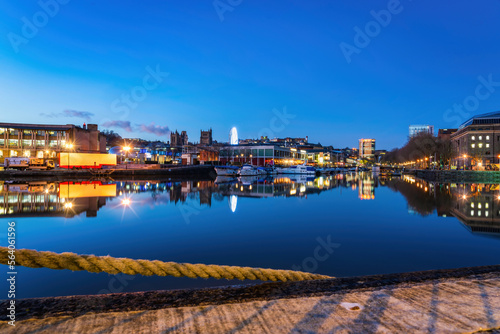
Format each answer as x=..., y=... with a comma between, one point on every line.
x=247, y=152
x=480, y=145
x=486, y=213
x=15, y=132
x=28, y=154
x=480, y=137
x=30, y=143
x=486, y=205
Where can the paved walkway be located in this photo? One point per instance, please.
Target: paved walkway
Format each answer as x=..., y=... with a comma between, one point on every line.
x=461, y=302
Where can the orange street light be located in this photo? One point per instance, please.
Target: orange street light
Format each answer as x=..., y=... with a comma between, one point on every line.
x=126, y=149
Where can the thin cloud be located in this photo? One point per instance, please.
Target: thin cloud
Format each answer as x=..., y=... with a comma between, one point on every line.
x=87, y=115
x=158, y=130
x=155, y=129
x=118, y=124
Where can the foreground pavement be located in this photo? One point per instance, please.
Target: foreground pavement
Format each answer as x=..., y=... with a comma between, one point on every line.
x=444, y=301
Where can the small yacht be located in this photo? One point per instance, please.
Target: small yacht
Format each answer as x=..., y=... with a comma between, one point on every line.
x=299, y=169
x=249, y=170
x=227, y=170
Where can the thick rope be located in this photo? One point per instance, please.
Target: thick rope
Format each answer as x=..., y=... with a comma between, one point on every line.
x=97, y=264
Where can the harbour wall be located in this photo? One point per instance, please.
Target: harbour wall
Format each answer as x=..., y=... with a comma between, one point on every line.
x=199, y=171
x=459, y=176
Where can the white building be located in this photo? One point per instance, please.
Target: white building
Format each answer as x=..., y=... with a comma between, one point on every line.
x=416, y=129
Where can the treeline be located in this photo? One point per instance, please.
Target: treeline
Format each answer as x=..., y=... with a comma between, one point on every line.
x=114, y=139
x=419, y=147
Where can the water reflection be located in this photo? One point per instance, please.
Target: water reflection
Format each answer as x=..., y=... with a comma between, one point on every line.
x=475, y=205
x=69, y=199
x=52, y=199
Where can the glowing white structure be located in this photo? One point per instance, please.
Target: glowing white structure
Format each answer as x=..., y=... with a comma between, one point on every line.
x=233, y=201
x=233, y=136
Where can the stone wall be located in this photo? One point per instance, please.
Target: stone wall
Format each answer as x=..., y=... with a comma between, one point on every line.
x=459, y=176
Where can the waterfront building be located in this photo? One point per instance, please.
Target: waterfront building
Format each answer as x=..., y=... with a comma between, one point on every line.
x=45, y=141
x=177, y=139
x=477, y=142
x=262, y=155
x=416, y=129
x=206, y=137
x=367, y=148
x=195, y=155
x=290, y=140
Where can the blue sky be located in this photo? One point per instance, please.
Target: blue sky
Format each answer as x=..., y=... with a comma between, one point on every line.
x=245, y=69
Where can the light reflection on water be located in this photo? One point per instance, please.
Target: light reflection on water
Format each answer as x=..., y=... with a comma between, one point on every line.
x=381, y=225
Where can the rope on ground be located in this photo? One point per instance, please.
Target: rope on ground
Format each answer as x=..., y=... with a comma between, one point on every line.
x=96, y=264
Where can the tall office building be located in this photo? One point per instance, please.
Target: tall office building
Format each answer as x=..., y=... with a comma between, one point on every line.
x=367, y=148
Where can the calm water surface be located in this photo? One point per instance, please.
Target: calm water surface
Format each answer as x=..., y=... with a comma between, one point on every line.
x=343, y=225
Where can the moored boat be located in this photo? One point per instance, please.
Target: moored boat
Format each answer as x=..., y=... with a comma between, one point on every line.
x=299, y=169
x=227, y=170
x=249, y=170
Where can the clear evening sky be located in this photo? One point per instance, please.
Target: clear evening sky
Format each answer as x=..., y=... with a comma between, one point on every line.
x=232, y=62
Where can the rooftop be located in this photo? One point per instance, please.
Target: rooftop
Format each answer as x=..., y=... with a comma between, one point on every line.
x=488, y=118
x=24, y=126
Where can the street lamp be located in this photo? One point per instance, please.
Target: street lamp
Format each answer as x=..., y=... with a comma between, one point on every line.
x=126, y=149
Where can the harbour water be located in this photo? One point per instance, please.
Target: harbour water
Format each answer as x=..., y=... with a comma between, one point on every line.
x=339, y=225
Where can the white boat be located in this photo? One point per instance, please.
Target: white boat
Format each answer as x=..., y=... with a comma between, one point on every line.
x=224, y=179
x=249, y=170
x=248, y=180
x=227, y=170
x=299, y=169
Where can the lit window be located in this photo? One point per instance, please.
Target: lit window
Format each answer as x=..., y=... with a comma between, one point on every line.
x=479, y=213
x=473, y=145
x=487, y=137
x=479, y=205
x=472, y=204
x=472, y=212
x=480, y=137
x=473, y=138
x=486, y=205
x=480, y=145
x=487, y=145
x=486, y=213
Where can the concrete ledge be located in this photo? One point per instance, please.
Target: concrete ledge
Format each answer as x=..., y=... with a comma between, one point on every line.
x=62, y=174
x=459, y=176
x=74, y=306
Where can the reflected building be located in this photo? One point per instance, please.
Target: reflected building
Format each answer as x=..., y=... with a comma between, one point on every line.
x=68, y=199
x=45, y=199
x=475, y=205
x=366, y=188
